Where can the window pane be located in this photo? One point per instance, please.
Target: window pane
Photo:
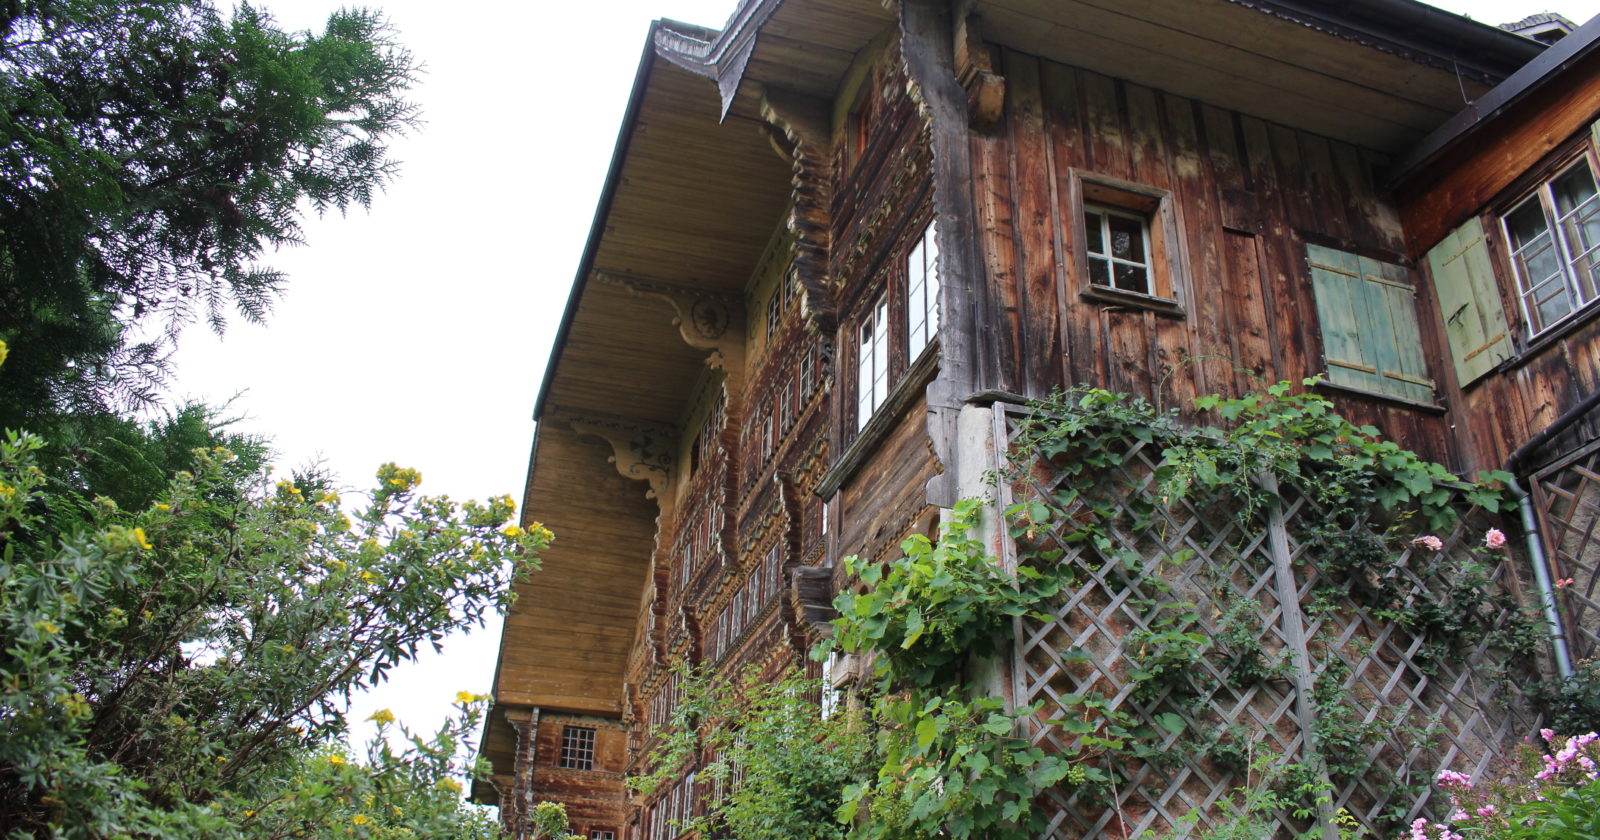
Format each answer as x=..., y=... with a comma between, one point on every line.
x=1096, y=236
x=1572, y=188
x=1526, y=223
x=1127, y=238
x=1099, y=274
x=1132, y=278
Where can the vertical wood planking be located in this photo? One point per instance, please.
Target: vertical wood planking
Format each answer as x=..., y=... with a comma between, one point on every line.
x=1327, y=194
x=1247, y=310
x=1197, y=201
x=991, y=185
x=1108, y=150
x=1081, y=329
x=1035, y=228
x=1150, y=159
x=1280, y=281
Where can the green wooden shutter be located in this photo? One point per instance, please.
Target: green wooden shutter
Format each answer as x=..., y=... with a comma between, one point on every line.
x=1367, y=311
x=1469, y=301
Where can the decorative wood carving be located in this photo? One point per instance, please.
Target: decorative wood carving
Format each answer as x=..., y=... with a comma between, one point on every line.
x=706, y=320
x=801, y=132
x=641, y=449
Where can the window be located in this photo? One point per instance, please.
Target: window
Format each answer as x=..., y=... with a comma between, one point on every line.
x=872, y=361
x=577, y=748
x=1128, y=246
x=1368, y=313
x=898, y=326
x=602, y=834
x=922, y=293
x=1118, y=249
x=1554, y=234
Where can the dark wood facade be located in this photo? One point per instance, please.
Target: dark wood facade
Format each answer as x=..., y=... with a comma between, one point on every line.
x=718, y=426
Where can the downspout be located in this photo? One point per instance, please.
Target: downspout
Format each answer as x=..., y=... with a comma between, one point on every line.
x=1541, y=576
x=1530, y=526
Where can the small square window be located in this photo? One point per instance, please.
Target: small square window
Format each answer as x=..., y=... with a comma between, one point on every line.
x=1128, y=249
x=1118, y=249
x=577, y=748
x=602, y=834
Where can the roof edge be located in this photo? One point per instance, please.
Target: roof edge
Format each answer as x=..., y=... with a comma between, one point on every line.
x=608, y=192
x=1412, y=29
x=1518, y=86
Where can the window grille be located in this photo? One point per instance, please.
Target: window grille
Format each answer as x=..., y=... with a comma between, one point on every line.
x=577, y=748
x=1555, y=237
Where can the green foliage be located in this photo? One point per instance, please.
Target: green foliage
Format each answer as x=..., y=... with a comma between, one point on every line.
x=935, y=606
x=151, y=153
x=169, y=666
x=781, y=765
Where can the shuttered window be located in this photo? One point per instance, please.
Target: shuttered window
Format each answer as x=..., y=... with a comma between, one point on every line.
x=1367, y=309
x=1469, y=302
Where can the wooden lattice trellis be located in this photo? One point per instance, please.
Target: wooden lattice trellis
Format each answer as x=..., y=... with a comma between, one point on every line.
x=1567, y=496
x=1328, y=654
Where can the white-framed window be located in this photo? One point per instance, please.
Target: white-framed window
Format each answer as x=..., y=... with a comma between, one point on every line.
x=602, y=834
x=1554, y=236
x=872, y=361
x=922, y=293
x=577, y=748
x=1118, y=249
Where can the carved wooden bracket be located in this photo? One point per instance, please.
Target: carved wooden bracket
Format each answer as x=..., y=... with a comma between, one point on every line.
x=706, y=320
x=640, y=449
x=975, y=70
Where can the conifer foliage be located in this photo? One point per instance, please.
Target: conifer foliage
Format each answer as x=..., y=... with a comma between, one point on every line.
x=152, y=154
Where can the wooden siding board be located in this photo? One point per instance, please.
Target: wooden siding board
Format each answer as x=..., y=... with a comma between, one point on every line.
x=1036, y=227
x=1083, y=345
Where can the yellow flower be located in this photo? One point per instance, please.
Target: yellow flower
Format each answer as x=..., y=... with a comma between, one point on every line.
x=541, y=532
x=249, y=814
x=448, y=784
x=511, y=531
x=286, y=648
x=163, y=506
x=467, y=698
x=46, y=627
x=7, y=491
x=336, y=760
x=360, y=819
x=368, y=576
x=3, y=352
x=382, y=716
x=139, y=539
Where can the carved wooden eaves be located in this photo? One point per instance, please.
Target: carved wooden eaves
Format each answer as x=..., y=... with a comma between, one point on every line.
x=706, y=320
x=640, y=449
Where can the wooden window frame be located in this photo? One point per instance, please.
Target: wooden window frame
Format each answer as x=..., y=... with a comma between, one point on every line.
x=1542, y=193
x=1168, y=275
x=922, y=285
x=874, y=373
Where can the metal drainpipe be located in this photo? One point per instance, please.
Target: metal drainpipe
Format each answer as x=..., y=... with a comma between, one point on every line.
x=1541, y=575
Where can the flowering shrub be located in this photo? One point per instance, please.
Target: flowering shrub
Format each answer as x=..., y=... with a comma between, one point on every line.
x=1554, y=794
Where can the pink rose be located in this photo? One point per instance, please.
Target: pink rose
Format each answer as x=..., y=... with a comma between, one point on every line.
x=1430, y=542
x=1495, y=538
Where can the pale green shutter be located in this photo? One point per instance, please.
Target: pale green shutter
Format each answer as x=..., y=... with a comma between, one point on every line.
x=1469, y=301
x=1367, y=311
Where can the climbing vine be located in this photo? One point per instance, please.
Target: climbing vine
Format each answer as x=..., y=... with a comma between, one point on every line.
x=935, y=751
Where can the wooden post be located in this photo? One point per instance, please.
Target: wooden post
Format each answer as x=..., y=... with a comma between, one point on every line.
x=1294, y=636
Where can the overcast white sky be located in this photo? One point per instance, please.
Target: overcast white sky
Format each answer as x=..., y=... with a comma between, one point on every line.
x=417, y=332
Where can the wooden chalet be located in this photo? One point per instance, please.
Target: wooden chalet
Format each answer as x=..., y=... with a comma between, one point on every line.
x=837, y=234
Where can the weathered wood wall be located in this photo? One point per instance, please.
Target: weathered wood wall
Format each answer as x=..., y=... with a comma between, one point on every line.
x=1248, y=197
